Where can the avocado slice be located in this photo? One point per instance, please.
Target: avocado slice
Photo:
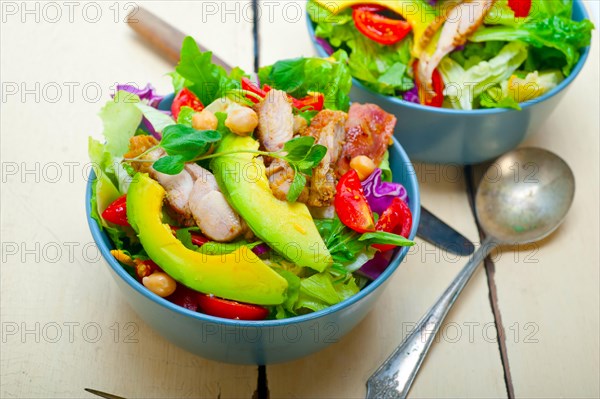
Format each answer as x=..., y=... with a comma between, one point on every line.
x=286, y=227
x=240, y=276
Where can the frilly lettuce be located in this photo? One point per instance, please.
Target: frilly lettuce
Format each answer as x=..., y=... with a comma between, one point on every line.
x=562, y=34
x=464, y=86
x=299, y=76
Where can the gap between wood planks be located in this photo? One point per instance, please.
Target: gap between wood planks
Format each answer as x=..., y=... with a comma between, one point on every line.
x=472, y=181
x=262, y=388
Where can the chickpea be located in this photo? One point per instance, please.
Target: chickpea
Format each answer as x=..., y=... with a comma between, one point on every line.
x=242, y=121
x=363, y=165
x=160, y=283
x=204, y=120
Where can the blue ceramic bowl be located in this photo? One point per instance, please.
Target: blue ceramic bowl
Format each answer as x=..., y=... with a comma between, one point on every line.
x=440, y=135
x=257, y=342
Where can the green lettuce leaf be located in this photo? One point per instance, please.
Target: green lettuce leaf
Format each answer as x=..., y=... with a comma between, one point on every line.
x=157, y=119
x=464, y=86
x=207, y=80
x=382, y=68
x=555, y=32
x=493, y=98
x=299, y=76
x=121, y=118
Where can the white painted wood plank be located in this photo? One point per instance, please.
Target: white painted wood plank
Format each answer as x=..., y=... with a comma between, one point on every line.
x=460, y=365
x=55, y=294
x=549, y=293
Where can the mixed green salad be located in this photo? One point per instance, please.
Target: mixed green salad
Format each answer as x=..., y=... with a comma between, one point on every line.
x=249, y=200
x=462, y=54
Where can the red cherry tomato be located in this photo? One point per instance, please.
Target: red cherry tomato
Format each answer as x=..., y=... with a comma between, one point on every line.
x=377, y=27
x=185, y=98
x=248, y=85
x=351, y=205
x=396, y=219
x=117, y=212
x=438, y=87
x=197, y=238
x=521, y=8
x=312, y=102
x=228, y=309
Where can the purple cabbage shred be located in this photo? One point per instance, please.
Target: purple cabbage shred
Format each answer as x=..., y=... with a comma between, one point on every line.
x=376, y=266
x=325, y=44
x=412, y=96
x=380, y=194
x=147, y=94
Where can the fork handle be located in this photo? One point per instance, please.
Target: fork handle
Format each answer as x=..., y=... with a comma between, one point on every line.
x=165, y=38
x=395, y=376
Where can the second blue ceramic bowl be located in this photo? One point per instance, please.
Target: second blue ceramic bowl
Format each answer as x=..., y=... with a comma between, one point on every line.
x=440, y=135
x=257, y=342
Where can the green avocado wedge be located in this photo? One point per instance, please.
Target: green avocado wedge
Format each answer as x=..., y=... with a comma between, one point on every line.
x=239, y=276
x=286, y=227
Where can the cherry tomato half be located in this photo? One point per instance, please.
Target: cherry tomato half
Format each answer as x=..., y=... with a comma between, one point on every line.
x=396, y=219
x=185, y=98
x=228, y=309
x=351, y=205
x=521, y=8
x=117, y=212
x=312, y=102
x=377, y=27
x=248, y=85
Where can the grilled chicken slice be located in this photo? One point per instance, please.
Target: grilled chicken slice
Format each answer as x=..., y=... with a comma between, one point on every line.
x=193, y=194
x=280, y=177
x=461, y=21
x=328, y=129
x=300, y=125
x=369, y=130
x=275, y=120
x=209, y=208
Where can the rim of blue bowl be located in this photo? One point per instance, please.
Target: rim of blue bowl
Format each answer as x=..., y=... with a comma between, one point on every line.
x=398, y=101
x=104, y=244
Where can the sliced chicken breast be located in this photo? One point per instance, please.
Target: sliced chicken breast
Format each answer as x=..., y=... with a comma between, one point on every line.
x=281, y=176
x=461, y=21
x=193, y=194
x=328, y=129
x=275, y=120
x=213, y=214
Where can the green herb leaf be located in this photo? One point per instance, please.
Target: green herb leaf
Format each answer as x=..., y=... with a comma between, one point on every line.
x=296, y=187
x=185, y=237
x=298, y=148
x=187, y=141
x=170, y=165
x=382, y=237
x=315, y=155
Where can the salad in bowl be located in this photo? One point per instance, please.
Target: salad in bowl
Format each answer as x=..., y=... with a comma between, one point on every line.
x=458, y=54
x=249, y=201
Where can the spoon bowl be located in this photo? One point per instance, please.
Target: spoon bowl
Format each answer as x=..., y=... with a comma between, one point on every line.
x=524, y=196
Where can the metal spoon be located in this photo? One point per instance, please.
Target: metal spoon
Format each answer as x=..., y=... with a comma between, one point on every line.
x=523, y=197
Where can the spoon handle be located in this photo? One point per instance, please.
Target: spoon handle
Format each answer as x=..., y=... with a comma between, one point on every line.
x=395, y=376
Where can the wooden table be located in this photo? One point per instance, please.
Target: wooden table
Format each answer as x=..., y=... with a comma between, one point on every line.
x=65, y=327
